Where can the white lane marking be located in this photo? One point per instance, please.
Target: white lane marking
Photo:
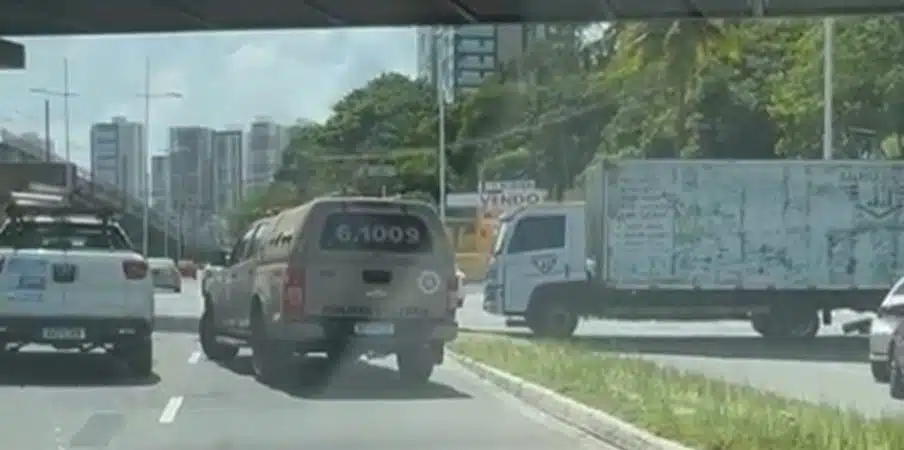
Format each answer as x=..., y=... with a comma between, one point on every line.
x=194, y=358
x=171, y=409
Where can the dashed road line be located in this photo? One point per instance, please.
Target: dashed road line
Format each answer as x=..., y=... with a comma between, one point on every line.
x=171, y=409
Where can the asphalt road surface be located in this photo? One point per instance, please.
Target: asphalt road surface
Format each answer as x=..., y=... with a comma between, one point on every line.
x=830, y=369
x=66, y=402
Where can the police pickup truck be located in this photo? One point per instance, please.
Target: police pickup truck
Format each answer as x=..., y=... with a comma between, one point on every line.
x=70, y=279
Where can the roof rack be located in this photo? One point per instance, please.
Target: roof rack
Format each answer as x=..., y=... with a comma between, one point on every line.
x=42, y=199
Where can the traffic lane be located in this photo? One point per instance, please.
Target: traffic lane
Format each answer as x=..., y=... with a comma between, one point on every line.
x=72, y=401
x=472, y=316
x=179, y=311
x=830, y=369
x=362, y=406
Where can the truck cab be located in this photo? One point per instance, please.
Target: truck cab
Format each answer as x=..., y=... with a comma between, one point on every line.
x=538, y=254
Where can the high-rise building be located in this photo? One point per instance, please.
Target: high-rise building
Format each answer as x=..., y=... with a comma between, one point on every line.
x=266, y=141
x=462, y=57
x=227, y=170
x=117, y=150
x=426, y=52
x=160, y=181
x=191, y=178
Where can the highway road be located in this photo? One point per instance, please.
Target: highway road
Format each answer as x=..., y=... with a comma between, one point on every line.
x=74, y=402
x=831, y=369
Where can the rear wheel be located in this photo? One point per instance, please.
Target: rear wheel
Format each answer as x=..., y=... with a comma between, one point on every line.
x=786, y=323
x=270, y=360
x=207, y=333
x=881, y=371
x=139, y=357
x=416, y=364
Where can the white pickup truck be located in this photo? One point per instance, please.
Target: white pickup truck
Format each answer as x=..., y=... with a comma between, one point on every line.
x=69, y=278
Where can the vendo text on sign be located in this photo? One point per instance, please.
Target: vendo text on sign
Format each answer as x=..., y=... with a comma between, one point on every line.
x=505, y=200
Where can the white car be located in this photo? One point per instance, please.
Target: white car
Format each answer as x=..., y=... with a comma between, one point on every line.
x=71, y=280
x=165, y=274
x=888, y=317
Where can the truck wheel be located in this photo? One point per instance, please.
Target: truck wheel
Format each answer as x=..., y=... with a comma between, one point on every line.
x=139, y=357
x=880, y=370
x=207, y=334
x=415, y=365
x=790, y=323
x=552, y=320
x=271, y=361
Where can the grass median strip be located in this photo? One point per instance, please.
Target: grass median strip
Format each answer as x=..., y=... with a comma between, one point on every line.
x=686, y=408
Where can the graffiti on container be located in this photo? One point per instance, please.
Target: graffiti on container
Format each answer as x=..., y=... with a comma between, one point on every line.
x=800, y=227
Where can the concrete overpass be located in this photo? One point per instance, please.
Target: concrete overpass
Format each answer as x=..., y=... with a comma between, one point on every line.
x=32, y=166
x=60, y=17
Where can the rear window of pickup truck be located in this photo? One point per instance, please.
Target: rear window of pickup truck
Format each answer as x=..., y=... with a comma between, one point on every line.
x=64, y=236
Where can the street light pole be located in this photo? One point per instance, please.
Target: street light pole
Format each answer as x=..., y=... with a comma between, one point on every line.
x=441, y=106
x=65, y=94
x=145, y=154
x=828, y=69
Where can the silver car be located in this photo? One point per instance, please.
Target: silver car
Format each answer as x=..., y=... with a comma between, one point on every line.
x=165, y=274
x=888, y=317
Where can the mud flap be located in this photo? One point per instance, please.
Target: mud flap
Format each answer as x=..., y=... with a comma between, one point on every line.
x=439, y=352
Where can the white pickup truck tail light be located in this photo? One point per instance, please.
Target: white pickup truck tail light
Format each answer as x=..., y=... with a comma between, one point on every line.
x=135, y=270
x=293, y=297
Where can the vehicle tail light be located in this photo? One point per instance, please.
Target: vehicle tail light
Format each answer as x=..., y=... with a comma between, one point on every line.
x=452, y=287
x=293, y=292
x=135, y=270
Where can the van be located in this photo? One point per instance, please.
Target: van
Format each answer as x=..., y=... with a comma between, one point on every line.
x=344, y=276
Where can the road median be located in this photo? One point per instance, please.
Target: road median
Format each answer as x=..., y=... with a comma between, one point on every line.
x=666, y=408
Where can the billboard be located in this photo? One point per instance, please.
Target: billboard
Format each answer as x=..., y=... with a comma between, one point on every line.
x=500, y=197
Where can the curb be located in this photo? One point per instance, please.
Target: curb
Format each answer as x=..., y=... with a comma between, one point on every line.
x=610, y=430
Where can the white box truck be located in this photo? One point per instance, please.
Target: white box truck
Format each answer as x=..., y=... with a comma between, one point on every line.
x=779, y=243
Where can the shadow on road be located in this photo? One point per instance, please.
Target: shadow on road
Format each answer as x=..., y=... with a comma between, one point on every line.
x=48, y=369
x=176, y=324
x=819, y=349
x=354, y=380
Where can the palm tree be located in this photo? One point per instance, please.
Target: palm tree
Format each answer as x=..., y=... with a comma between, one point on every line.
x=681, y=49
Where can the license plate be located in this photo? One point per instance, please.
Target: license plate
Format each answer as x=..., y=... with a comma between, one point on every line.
x=374, y=329
x=69, y=334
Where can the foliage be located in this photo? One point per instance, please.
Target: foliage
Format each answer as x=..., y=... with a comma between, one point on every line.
x=677, y=405
x=693, y=89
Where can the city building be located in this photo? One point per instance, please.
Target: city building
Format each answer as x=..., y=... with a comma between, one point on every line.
x=426, y=52
x=266, y=141
x=191, y=178
x=227, y=170
x=462, y=57
x=160, y=181
x=117, y=149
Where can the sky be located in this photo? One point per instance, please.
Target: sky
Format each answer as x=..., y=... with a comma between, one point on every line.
x=225, y=79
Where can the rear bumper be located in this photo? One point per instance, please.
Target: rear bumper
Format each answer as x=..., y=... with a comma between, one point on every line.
x=97, y=330
x=326, y=334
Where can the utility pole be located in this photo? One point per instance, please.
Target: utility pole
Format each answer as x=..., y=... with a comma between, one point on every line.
x=828, y=91
x=145, y=153
x=48, y=151
x=65, y=94
x=440, y=33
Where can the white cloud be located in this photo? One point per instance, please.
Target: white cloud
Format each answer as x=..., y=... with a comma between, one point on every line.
x=225, y=78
